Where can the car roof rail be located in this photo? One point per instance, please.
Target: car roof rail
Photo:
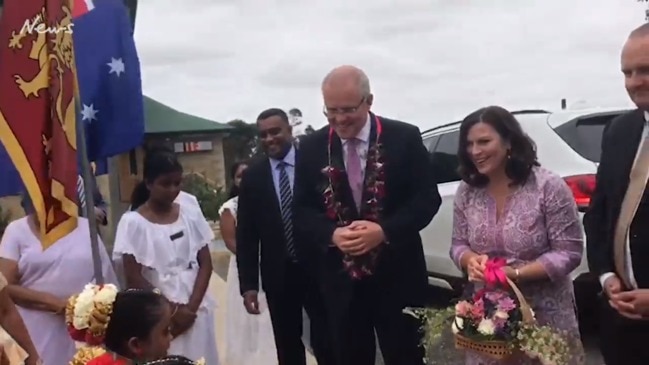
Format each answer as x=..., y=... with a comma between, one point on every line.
x=516, y=112
x=531, y=111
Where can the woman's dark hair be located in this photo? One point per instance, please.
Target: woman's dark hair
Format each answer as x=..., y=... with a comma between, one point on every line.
x=171, y=360
x=26, y=203
x=521, y=155
x=135, y=314
x=158, y=161
x=234, y=190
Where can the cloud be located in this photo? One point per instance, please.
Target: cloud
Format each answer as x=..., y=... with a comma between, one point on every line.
x=429, y=61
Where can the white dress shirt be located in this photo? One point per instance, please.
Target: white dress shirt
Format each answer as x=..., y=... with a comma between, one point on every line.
x=362, y=145
x=627, y=249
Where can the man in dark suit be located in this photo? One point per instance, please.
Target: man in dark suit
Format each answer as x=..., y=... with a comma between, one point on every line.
x=264, y=222
x=616, y=222
x=101, y=207
x=363, y=192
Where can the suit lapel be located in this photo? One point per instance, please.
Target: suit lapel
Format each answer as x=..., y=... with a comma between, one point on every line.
x=630, y=142
x=270, y=186
x=371, y=143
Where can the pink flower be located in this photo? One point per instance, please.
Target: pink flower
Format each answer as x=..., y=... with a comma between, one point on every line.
x=494, y=296
x=499, y=322
x=506, y=304
x=331, y=172
x=463, y=308
x=477, y=310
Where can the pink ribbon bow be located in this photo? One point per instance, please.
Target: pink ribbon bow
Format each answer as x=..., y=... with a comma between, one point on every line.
x=494, y=273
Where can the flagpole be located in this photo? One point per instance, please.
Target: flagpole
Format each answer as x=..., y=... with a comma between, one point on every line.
x=89, y=187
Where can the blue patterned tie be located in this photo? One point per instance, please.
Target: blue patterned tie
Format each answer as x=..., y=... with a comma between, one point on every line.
x=286, y=202
x=81, y=194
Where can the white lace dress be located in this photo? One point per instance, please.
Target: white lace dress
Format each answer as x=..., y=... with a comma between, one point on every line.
x=249, y=338
x=172, y=267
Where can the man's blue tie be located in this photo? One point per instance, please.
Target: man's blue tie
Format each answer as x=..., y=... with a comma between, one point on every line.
x=286, y=203
x=81, y=194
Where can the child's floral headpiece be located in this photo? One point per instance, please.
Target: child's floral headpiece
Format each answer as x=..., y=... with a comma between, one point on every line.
x=87, y=314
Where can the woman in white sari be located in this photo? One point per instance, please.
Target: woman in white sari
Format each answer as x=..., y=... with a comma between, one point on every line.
x=249, y=338
x=40, y=282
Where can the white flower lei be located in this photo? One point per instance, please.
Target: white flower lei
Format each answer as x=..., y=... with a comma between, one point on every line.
x=86, y=301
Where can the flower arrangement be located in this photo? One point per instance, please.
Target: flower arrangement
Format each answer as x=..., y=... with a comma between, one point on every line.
x=87, y=314
x=357, y=267
x=86, y=354
x=497, y=322
x=434, y=322
x=544, y=343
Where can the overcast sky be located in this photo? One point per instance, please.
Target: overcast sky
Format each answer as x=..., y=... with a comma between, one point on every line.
x=429, y=61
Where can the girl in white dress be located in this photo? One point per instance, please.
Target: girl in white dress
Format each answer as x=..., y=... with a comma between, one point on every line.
x=164, y=245
x=249, y=338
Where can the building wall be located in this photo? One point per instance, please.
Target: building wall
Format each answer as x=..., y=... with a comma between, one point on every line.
x=210, y=164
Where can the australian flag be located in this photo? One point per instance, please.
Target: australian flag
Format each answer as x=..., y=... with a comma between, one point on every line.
x=108, y=72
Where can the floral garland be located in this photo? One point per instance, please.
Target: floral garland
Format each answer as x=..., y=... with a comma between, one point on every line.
x=357, y=267
x=89, y=355
x=87, y=314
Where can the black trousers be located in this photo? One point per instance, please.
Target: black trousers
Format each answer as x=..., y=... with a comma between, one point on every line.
x=622, y=341
x=372, y=310
x=286, y=299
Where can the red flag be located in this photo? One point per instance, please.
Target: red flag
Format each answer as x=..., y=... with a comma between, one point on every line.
x=37, y=108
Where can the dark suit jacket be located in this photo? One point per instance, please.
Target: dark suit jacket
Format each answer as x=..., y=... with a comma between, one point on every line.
x=99, y=203
x=410, y=202
x=620, y=144
x=259, y=229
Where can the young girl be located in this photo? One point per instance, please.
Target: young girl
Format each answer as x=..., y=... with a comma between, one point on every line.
x=137, y=330
x=249, y=338
x=164, y=245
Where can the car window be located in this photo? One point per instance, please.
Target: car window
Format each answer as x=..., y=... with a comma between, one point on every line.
x=584, y=135
x=430, y=142
x=444, y=158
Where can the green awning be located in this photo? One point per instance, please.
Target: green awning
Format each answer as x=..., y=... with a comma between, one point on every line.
x=162, y=119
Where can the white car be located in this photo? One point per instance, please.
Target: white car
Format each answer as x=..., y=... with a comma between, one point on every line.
x=568, y=143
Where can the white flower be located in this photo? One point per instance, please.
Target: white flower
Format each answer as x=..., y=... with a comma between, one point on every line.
x=458, y=324
x=83, y=307
x=200, y=361
x=85, y=303
x=501, y=315
x=486, y=327
x=106, y=295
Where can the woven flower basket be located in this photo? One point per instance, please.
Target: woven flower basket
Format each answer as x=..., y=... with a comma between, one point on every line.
x=497, y=350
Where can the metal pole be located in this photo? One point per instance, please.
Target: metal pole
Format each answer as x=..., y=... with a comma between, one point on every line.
x=115, y=201
x=89, y=186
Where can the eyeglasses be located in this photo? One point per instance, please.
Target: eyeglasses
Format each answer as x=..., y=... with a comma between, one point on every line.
x=330, y=112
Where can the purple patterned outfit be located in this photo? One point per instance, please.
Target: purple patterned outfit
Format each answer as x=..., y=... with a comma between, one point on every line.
x=539, y=222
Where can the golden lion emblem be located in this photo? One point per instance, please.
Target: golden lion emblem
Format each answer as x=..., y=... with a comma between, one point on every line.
x=63, y=56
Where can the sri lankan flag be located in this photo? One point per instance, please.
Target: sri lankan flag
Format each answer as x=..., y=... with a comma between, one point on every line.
x=37, y=108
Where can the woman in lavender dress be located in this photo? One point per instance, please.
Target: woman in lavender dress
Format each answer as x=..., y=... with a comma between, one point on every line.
x=508, y=206
x=40, y=282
